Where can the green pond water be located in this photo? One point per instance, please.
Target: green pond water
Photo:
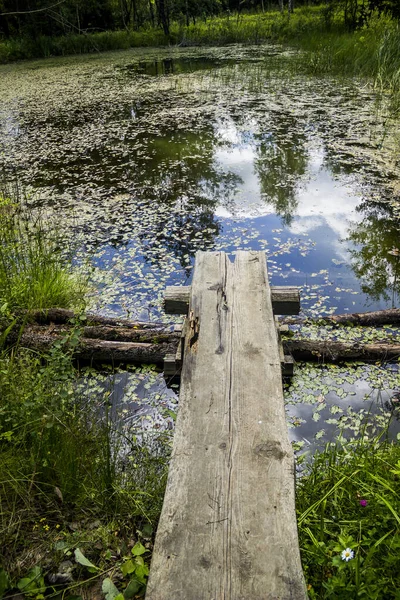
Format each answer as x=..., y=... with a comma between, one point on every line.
x=144, y=157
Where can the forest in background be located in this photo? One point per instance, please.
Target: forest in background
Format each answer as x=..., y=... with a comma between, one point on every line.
x=35, y=18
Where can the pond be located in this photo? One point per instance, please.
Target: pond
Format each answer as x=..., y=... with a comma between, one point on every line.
x=144, y=157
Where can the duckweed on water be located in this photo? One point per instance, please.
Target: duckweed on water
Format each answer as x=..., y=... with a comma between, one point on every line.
x=233, y=151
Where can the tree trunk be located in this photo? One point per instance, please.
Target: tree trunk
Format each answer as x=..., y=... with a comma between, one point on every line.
x=187, y=13
x=151, y=11
x=163, y=16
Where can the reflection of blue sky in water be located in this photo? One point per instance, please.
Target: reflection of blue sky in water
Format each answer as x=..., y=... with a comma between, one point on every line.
x=325, y=205
x=242, y=153
x=368, y=397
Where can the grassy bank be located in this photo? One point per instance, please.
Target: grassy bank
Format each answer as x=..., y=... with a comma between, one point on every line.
x=349, y=521
x=79, y=495
x=246, y=29
x=34, y=272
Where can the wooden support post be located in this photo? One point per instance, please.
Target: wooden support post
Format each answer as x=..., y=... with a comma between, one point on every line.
x=228, y=526
x=287, y=362
x=173, y=362
x=285, y=300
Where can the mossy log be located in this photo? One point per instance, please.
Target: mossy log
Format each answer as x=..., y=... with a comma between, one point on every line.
x=106, y=340
x=390, y=316
x=138, y=333
x=331, y=351
x=100, y=351
x=126, y=346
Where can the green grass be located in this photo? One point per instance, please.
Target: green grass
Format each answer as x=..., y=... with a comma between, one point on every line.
x=372, y=51
x=349, y=497
x=61, y=463
x=34, y=273
x=248, y=29
x=64, y=457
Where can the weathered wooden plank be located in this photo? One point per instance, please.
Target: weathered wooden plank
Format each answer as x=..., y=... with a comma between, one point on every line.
x=228, y=528
x=285, y=300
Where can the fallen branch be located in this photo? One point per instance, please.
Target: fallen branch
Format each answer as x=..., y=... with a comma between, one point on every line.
x=390, y=316
x=102, y=351
x=330, y=351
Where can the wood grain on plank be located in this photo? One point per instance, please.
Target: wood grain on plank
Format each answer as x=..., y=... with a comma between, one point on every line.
x=228, y=528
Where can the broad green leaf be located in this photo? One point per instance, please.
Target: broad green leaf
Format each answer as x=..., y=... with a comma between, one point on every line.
x=110, y=591
x=127, y=568
x=82, y=560
x=142, y=573
x=138, y=549
x=132, y=589
x=33, y=583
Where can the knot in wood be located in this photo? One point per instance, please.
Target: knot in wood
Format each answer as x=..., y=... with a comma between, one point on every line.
x=270, y=449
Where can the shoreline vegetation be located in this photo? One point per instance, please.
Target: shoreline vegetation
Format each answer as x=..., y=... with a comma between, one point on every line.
x=79, y=496
x=371, y=49
x=73, y=483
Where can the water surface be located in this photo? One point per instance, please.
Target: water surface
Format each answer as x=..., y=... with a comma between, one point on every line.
x=145, y=157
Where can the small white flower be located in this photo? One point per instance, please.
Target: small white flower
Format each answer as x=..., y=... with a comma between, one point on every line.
x=347, y=554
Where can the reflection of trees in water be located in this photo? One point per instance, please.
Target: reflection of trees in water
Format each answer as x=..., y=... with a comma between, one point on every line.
x=188, y=226
x=281, y=160
x=175, y=196
x=376, y=256
x=183, y=178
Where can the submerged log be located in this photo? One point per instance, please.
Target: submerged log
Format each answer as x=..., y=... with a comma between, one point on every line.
x=113, y=334
x=63, y=316
x=330, y=351
x=102, y=351
x=390, y=316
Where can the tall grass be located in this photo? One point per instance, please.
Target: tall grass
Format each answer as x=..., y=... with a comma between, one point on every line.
x=248, y=29
x=63, y=460
x=350, y=499
x=34, y=273
x=63, y=456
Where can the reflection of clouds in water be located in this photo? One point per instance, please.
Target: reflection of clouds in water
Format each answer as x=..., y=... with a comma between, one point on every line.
x=324, y=196
x=9, y=127
x=320, y=193
x=372, y=404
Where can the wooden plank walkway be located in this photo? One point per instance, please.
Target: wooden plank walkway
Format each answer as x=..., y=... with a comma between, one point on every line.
x=228, y=528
